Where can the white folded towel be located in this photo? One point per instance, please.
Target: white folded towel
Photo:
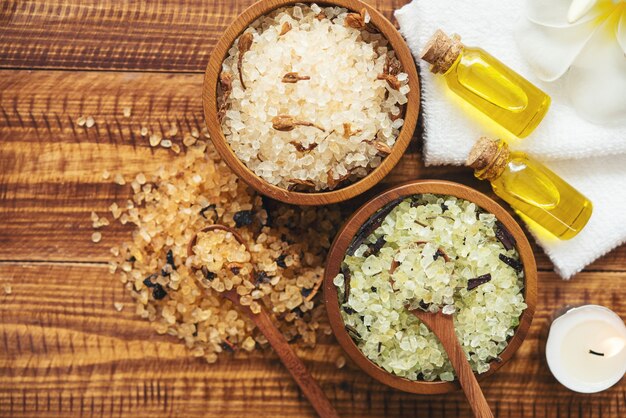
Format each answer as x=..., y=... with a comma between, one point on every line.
x=590, y=157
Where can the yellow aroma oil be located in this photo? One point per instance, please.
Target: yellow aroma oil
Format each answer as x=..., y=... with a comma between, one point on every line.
x=486, y=83
x=530, y=188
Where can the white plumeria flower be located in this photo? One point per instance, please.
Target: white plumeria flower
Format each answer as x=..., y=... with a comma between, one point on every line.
x=582, y=42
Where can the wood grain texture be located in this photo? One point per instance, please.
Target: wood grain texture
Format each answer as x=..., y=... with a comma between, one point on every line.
x=210, y=95
x=156, y=35
x=294, y=365
x=442, y=326
x=65, y=352
x=51, y=169
x=351, y=228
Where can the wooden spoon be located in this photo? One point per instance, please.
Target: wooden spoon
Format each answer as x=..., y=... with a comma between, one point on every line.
x=442, y=326
x=288, y=357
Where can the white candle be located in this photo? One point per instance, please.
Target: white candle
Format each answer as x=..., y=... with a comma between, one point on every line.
x=586, y=348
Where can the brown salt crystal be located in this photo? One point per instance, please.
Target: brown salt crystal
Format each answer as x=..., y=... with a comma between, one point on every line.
x=189, y=140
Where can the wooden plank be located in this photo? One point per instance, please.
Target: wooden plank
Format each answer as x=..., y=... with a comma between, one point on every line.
x=67, y=352
x=119, y=35
x=51, y=176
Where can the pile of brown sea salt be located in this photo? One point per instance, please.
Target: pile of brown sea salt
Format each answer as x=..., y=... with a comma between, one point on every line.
x=312, y=97
x=281, y=268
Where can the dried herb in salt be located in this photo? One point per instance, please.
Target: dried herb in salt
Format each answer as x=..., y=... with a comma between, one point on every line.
x=148, y=280
x=169, y=257
x=228, y=346
x=261, y=277
x=333, y=182
x=504, y=236
x=394, y=265
x=360, y=21
x=298, y=146
x=305, y=292
x=372, y=224
x=441, y=253
x=392, y=80
x=300, y=184
x=348, y=310
x=474, y=283
x=392, y=66
x=382, y=148
x=226, y=85
x=209, y=208
x=293, y=78
x=280, y=261
x=374, y=248
x=243, y=218
x=514, y=264
x=209, y=275
x=286, y=123
x=285, y=28
x=244, y=45
x=348, y=132
x=158, y=292
x=353, y=331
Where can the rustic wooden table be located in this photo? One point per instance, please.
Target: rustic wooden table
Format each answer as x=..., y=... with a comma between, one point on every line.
x=64, y=350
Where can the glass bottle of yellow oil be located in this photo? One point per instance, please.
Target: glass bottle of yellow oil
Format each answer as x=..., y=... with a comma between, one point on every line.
x=490, y=86
x=535, y=192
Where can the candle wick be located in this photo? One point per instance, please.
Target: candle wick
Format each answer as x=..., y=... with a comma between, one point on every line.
x=595, y=353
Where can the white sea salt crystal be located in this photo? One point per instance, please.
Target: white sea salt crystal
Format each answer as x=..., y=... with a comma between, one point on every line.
x=448, y=309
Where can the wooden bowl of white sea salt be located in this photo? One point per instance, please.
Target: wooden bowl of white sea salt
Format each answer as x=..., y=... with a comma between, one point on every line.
x=311, y=103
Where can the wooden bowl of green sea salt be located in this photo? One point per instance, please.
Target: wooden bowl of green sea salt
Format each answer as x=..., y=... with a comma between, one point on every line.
x=430, y=245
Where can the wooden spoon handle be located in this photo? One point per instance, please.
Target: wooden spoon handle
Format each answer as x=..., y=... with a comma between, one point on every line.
x=292, y=362
x=443, y=327
x=468, y=380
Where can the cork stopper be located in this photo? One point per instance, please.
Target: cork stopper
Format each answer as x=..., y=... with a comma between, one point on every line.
x=488, y=158
x=441, y=51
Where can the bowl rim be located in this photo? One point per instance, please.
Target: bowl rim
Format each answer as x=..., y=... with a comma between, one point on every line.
x=209, y=100
x=345, y=236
